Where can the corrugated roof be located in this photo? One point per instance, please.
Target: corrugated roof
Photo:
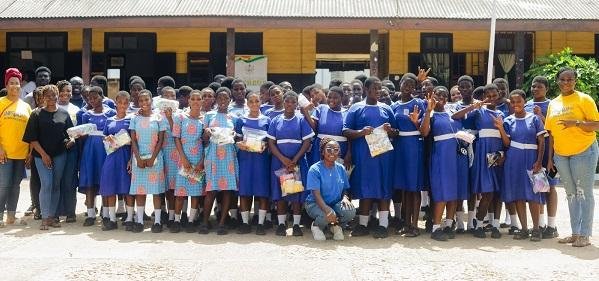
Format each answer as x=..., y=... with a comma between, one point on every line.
x=375, y=9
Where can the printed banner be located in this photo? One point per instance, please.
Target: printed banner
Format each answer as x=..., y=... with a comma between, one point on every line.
x=252, y=69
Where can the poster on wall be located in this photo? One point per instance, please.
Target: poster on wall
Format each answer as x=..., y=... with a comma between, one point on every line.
x=252, y=69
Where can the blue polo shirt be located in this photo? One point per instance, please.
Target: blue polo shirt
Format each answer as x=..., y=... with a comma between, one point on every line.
x=329, y=181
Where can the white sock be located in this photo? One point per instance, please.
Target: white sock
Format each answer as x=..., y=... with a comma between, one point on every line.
x=245, y=216
x=384, y=218
x=448, y=223
x=508, y=218
x=514, y=221
x=542, y=222
x=91, y=212
x=297, y=219
x=261, y=216
x=459, y=219
x=495, y=223
x=157, y=216
x=185, y=204
x=233, y=213
x=129, y=213
x=120, y=206
x=479, y=223
x=364, y=220
x=177, y=218
x=112, y=213
x=424, y=198
x=471, y=219
x=436, y=226
x=476, y=204
x=140, y=214
x=171, y=215
x=268, y=216
x=397, y=209
x=551, y=221
x=282, y=219
x=192, y=214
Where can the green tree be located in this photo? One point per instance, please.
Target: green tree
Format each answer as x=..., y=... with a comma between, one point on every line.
x=548, y=66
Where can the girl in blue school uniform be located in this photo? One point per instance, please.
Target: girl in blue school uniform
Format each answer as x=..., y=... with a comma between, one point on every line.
x=327, y=122
x=289, y=138
x=170, y=154
x=484, y=179
x=371, y=179
x=526, y=140
x=147, y=165
x=93, y=153
x=538, y=105
x=276, y=98
x=220, y=162
x=448, y=165
x=238, y=106
x=265, y=102
x=187, y=131
x=116, y=178
x=409, y=153
x=254, y=167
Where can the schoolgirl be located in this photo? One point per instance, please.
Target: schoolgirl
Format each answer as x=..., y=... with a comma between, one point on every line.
x=265, y=103
x=170, y=154
x=238, y=107
x=276, y=98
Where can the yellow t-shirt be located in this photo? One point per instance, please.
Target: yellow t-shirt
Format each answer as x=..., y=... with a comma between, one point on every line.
x=12, y=126
x=573, y=140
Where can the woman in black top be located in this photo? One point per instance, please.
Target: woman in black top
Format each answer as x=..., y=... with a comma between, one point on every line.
x=46, y=133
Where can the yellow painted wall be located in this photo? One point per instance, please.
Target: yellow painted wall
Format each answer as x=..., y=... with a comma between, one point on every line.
x=550, y=42
x=290, y=50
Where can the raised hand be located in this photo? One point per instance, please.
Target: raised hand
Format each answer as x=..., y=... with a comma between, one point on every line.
x=415, y=114
x=422, y=74
x=431, y=103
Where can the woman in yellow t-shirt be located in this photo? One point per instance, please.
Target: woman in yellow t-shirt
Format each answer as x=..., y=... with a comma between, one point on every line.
x=572, y=120
x=14, y=114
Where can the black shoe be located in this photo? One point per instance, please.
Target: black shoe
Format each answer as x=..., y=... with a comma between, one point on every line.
x=169, y=223
x=495, y=233
x=513, y=230
x=89, y=221
x=504, y=225
x=440, y=235
x=190, y=227
x=71, y=219
x=128, y=225
x=550, y=232
x=156, y=228
x=203, y=229
x=449, y=232
x=175, y=227
x=297, y=231
x=105, y=220
x=480, y=233
x=110, y=225
x=281, y=230
x=380, y=232
x=488, y=227
x=260, y=230
x=360, y=230
x=536, y=235
x=138, y=227
x=37, y=215
x=521, y=234
x=373, y=222
x=244, y=228
x=221, y=230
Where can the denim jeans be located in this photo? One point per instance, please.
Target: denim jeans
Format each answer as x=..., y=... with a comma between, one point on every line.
x=68, y=185
x=50, y=183
x=320, y=218
x=578, y=176
x=11, y=174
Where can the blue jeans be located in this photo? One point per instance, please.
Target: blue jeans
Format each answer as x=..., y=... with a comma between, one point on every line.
x=68, y=185
x=578, y=176
x=320, y=219
x=11, y=174
x=50, y=183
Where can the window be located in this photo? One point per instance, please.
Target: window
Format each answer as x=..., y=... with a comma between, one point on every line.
x=130, y=41
x=46, y=41
x=435, y=52
x=504, y=42
x=436, y=43
x=29, y=50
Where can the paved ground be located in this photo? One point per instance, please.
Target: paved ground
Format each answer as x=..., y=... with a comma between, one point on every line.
x=77, y=253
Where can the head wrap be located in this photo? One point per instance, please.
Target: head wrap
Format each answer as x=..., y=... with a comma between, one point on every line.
x=12, y=72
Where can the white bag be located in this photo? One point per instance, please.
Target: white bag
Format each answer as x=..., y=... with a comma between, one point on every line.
x=254, y=139
x=222, y=136
x=120, y=139
x=539, y=181
x=81, y=130
x=378, y=142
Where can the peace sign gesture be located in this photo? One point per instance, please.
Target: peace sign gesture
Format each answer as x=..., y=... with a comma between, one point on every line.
x=431, y=103
x=423, y=74
x=415, y=115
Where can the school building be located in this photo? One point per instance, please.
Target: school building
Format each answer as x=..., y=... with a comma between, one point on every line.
x=193, y=40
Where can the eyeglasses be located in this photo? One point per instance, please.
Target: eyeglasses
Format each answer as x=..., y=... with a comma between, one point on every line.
x=334, y=150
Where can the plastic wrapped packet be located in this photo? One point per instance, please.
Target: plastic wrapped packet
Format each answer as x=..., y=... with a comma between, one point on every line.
x=493, y=157
x=163, y=104
x=253, y=139
x=116, y=141
x=465, y=136
x=302, y=101
x=291, y=182
x=539, y=181
x=81, y=130
x=222, y=136
x=378, y=142
x=148, y=156
x=192, y=174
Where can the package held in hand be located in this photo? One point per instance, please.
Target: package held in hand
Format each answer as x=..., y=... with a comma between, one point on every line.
x=378, y=141
x=116, y=141
x=291, y=182
x=222, y=136
x=163, y=104
x=254, y=139
x=539, y=181
x=192, y=174
x=465, y=136
x=81, y=130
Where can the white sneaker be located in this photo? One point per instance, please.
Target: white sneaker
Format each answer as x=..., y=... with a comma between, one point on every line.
x=337, y=233
x=317, y=233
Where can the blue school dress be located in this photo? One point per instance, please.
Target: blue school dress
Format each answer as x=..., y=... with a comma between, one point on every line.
x=115, y=177
x=529, y=107
x=265, y=107
x=221, y=160
x=254, y=167
x=371, y=177
x=189, y=131
x=329, y=125
x=149, y=180
x=504, y=108
x=93, y=153
x=170, y=154
x=289, y=135
x=272, y=113
x=520, y=157
x=448, y=168
x=484, y=179
x=408, y=171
